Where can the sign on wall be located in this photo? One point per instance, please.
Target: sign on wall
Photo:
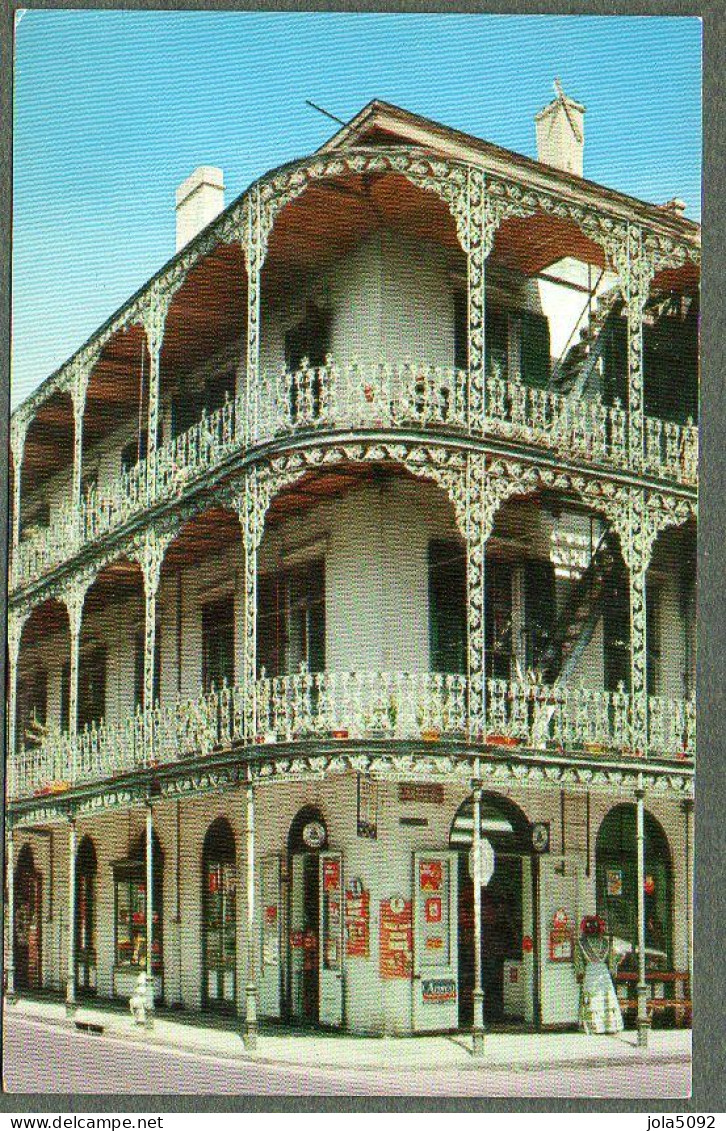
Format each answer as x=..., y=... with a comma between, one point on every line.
x=357, y=921
x=396, y=938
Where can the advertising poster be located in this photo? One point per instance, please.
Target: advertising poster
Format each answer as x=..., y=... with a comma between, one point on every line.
x=396, y=939
x=357, y=923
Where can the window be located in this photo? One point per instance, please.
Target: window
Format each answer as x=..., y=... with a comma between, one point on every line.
x=131, y=912
x=615, y=361
x=616, y=629
x=32, y=705
x=447, y=607
x=535, y=349
x=498, y=619
x=540, y=610
x=291, y=620
x=461, y=330
x=309, y=339
x=218, y=644
x=139, y=649
x=652, y=638
x=91, y=687
x=219, y=389
x=496, y=342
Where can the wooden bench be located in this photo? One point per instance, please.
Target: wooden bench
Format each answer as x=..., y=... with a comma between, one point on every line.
x=680, y=1003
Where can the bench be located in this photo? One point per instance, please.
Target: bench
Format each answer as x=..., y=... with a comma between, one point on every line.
x=659, y=1003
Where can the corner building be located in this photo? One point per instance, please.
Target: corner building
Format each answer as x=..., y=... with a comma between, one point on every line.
x=357, y=546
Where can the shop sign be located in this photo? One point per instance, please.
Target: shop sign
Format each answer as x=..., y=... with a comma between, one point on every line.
x=562, y=937
x=426, y=793
x=331, y=874
x=396, y=938
x=367, y=807
x=432, y=909
x=435, y=990
x=314, y=834
x=357, y=921
x=614, y=878
x=430, y=875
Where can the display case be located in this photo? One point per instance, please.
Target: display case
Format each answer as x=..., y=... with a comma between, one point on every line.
x=131, y=926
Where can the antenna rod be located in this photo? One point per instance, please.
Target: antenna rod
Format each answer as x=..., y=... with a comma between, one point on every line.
x=325, y=112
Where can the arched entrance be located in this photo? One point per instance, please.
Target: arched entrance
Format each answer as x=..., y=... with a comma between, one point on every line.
x=219, y=917
x=315, y=916
x=28, y=942
x=86, y=871
x=616, y=872
x=507, y=912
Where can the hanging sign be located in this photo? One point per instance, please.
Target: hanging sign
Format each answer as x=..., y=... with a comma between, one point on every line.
x=486, y=862
x=430, y=875
x=357, y=921
x=396, y=939
x=614, y=878
x=331, y=874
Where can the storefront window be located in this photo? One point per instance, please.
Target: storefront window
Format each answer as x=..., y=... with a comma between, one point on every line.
x=131, y=911
x=219, y=908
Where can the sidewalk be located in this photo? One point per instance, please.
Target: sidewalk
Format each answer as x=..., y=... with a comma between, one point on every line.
x=222, y=1040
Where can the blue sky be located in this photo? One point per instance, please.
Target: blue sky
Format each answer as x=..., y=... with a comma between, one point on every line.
x=113, y=109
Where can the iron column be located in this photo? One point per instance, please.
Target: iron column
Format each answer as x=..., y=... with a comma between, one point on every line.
x=71, y=973
x=477, y=1027
x=643, y=1020
x=250, y=1029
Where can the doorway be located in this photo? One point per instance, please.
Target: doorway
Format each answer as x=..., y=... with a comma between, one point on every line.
x=28, y=941
x=219, y=917
x=506, y=914
x=308, y=837
x=86, y=869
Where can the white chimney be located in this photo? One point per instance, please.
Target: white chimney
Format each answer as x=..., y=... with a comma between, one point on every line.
x=198, y=200
x=561, y=133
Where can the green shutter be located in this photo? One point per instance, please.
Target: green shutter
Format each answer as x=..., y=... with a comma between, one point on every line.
x=535, y=350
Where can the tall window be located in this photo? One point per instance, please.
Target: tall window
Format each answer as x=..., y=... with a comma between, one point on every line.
x=139, y=650
x=32, y=708
x=498, y=619
x=540, y=610
x=291, y=620
x=218, y=643
x=535, y=349
x=309, y=339
x=447, y=607
x=616, y=629
x=91, y=689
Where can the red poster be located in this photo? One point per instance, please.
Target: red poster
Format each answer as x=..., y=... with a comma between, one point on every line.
x=331, y=875
x=357, y=924
x=430, y=874
x=271, y=914
x=432, y=909
x=396, y=949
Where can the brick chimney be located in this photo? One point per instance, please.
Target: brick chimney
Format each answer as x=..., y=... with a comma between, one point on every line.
x=561, y=133
x=198, y=200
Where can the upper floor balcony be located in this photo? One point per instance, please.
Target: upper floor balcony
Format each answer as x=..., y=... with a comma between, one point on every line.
x=371, y=307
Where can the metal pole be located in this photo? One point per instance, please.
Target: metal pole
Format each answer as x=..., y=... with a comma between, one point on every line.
x=477, y=1027
x=149, y=915
x=250, y=1029
x=10, y=957
x=643, y=1019
x=688, y=809
x=71, y=975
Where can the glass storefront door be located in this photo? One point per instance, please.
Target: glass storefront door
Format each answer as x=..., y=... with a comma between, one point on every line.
x=220, y=934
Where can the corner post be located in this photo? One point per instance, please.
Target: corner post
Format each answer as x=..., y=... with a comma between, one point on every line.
x=479, y=239
x=476, y=533
x=74, y=599
x=18, y=432
x=250, y=1029
x=477, y=1027
x=149, y=552
x=71, y=973
x=253, y=241
x=250, y=511
x=635, y=271
x=10, y=956
x=79, y=388
x=149, y=915
x=643, y=1019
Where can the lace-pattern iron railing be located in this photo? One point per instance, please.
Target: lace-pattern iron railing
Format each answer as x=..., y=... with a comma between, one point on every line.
x=352, y=705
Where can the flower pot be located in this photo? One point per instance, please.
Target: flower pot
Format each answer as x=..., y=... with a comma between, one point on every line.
x=339, y=733
x=431, y=734
x=502, y=740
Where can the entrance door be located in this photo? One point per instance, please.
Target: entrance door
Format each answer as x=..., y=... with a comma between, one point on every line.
x=331, y=938
x=28, y=923
x=86, y=870
x=435, y=947
x=304, y=929
x=220, y=935
x=271, y=931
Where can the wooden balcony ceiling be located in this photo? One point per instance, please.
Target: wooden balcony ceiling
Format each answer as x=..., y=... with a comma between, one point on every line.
x=207, y=312
x=334, y=216
x=330, y=483
x=212, y=532
x=48, y=619
x=49, y=440
x=533, y=243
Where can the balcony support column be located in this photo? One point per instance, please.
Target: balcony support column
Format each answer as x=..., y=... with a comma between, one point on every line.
x=478, y=526
x=149, y=552
x=10, y=937
x=688, y=816
x=79, y=388
x=254, y=250
x=637, y=555
x=635, y=272
x=149, y=916
x=480, y=240
x=74, y=598
x=477, y=1027
x=18, y=432
x=16, y=623
x=153, y=318
x=250, y=1027
x=71, y=972
x=643, y=1019
x=251, y=514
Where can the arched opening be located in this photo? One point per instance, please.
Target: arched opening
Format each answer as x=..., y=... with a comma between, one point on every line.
x=28, y=941
x=307, y=838
x=507, y=912
x=44, y=641
x=616, y=877
x=219, y=917
x=86, y=878
x=48, y=450
x=670, y=589
x=131, y=936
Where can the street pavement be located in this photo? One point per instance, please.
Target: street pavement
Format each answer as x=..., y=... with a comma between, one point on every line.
x=42, y=1055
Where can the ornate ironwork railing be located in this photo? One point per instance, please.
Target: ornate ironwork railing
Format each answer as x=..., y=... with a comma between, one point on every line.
x=398, y=706
x=353, y=397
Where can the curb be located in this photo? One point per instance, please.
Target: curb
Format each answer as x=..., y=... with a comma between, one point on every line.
x=149, y=1037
